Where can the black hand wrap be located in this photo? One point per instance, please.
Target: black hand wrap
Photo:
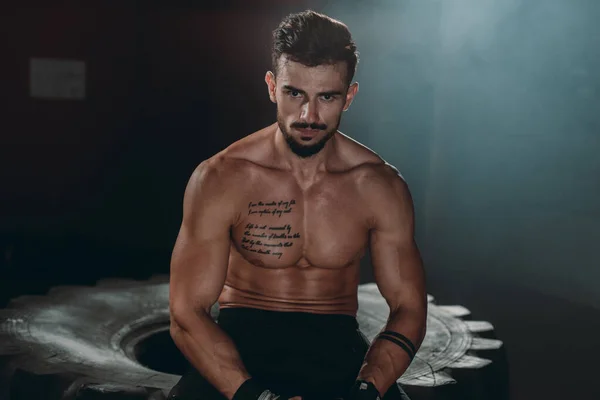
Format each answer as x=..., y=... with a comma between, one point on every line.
x=363, y=390
x=252, y=390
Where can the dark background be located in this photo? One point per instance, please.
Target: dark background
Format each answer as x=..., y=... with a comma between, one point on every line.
x=490, y=109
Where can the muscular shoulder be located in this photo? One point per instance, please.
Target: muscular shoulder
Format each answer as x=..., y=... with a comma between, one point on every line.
x=382, y=180
x=354, y=156
x=252, y=149
x=385, y=192
x=211, y=173
x=368, y=166
x=228, y=172
x=215, y=178
x=379, y=182
x=214, y=188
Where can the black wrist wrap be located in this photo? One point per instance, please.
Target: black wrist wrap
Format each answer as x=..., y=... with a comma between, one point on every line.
x=250, y=390
x=399, y=340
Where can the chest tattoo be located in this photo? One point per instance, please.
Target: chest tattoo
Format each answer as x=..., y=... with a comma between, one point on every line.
x=269, y=238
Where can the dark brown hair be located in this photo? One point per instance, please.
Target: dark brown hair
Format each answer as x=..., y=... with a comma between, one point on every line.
x=312, y=39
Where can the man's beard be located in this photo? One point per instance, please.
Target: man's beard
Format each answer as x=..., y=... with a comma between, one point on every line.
x=302, y=150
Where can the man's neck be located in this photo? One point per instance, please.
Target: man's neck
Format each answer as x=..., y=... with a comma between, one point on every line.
x=307, y=169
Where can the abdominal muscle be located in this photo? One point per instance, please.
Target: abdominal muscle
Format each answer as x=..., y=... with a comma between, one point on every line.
x=300, y=289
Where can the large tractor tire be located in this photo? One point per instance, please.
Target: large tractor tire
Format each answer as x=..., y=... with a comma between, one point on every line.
x=111, y=341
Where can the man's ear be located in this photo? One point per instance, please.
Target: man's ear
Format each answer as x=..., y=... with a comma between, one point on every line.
x=271, y=85
x=352, y=91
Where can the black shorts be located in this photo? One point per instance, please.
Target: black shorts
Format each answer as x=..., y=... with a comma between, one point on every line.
x=315, y=356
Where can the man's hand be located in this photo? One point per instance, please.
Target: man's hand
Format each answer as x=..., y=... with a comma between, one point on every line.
x=252, y=390
x=363, y=390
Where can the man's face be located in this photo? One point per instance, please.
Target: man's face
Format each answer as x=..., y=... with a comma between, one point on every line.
x=310, y=102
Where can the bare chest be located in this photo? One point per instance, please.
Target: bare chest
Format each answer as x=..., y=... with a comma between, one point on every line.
x=283, y=226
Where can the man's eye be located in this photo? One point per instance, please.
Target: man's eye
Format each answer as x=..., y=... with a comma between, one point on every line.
x=294, y=93
x=328, y=97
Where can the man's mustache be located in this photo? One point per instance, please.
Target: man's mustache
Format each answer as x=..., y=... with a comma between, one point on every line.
x=304, y=125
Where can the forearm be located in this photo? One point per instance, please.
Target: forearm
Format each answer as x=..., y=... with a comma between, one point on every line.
x=386, y=361
x=211, y=351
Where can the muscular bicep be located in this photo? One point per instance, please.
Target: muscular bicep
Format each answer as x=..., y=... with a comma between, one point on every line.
x=201, y=252
x=397, y=264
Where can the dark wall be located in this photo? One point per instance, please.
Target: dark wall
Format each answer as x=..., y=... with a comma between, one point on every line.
x=52, y=151
x=94, y=187
x=55, y=155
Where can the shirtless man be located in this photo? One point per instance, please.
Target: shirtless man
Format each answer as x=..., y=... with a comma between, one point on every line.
x=274, y=228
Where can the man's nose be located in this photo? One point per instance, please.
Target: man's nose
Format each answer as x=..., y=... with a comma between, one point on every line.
x=310, y=113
